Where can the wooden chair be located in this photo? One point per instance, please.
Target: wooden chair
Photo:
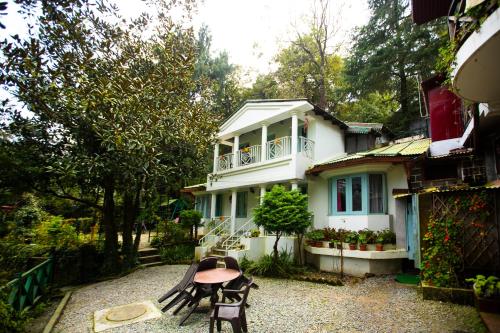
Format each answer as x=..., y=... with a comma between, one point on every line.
x=233, y=312
x=181, y=288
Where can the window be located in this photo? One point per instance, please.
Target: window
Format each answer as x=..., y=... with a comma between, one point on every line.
x=241, y=204
x=202, y=205
x=357, y=194
x=218, y=205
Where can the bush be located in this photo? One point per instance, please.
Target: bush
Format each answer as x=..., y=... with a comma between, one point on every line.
x=245, y=264
x=15, y=258
x=177, y=253
x=170, y=232
x=57, y=234
x=284, y=267
x=315, y=235
x=10, y=320
x=352, y=237
x=369, y=236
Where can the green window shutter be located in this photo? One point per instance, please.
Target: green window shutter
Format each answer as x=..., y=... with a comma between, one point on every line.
x=241, y=204
x=218, y=205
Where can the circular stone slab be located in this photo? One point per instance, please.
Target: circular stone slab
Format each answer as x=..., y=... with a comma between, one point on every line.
x=126, y=312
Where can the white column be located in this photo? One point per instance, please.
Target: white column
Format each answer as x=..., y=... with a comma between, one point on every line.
x=295, y=185
x=233, y=210
x=262, y=193
x=263, y=147
x=236, y=145
x=213, y=205
x=216, y=157
x=295, y=131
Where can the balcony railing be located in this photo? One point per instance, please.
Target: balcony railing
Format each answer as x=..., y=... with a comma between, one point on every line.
x=306, y=146
x=225, y=162
x=248, y=155
x=279, y=147
x=276, y=148
x=461, y=25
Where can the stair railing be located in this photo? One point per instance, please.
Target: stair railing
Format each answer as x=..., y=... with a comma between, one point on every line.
x=236, y=236
x=210, y=238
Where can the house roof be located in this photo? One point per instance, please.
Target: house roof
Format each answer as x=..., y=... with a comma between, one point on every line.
x=397, y=152
x=367, y=128
x=194, y=188
x=253, y=113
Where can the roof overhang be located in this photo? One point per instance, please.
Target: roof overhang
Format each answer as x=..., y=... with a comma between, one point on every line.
x=359, y=161
x=427, y=10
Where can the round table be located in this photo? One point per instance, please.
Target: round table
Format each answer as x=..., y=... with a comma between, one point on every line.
x=215, y=277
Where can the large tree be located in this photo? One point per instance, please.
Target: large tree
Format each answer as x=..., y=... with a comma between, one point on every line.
x=390, y=53
x=110, y=109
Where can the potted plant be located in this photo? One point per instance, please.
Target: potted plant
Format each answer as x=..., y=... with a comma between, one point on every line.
x=254, y=233
x=362, y=240
x=332, y=243
x=379, y=241
x=315, y=238
x=352, y=239
x=487, y=293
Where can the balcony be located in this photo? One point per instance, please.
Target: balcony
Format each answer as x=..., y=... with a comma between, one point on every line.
x=476, y=76
x=275, y=149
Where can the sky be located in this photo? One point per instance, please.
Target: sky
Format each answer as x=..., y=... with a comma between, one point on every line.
x=251, y=31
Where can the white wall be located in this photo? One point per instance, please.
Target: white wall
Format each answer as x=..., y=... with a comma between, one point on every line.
x=328, y=138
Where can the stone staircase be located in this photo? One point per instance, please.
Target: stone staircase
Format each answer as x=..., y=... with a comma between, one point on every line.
x=149, y=257
x=220, y=251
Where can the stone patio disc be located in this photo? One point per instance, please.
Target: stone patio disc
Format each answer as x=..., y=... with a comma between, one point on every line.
x=124, y=314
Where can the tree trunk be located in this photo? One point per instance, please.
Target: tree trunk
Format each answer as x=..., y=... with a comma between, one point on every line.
x=403, y=92
x=275, y=247
x=300, y=237
x=138, y=231
x=128, y=225
x=111, y=261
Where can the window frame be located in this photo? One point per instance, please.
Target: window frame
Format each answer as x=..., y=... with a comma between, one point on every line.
x=365, y=192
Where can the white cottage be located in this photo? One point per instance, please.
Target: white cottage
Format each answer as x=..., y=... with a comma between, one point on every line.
x=296, y=144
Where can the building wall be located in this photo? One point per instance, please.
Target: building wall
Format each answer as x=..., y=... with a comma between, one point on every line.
x=328, y=139
x=319, y=196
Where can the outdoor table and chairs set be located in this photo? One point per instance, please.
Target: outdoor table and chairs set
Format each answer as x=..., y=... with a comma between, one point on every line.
x=203, y=280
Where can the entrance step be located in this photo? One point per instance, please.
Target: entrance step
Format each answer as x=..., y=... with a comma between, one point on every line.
x=149, y=257
x=150, y=251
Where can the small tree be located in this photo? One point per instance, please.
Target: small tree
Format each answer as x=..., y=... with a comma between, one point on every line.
x=283, y=212
x=190, y=219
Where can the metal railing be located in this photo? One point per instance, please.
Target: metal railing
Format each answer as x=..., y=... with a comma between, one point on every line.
x=27, y=289
x=279, y=147
x=211, y=238
x=236, y=236
x=225, y=162
x=248, y=155
x=306, y=146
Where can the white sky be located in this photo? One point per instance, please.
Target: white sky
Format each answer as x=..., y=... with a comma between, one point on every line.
x=252, y=31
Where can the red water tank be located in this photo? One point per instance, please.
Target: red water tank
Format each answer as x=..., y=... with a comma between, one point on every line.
x=445, y=110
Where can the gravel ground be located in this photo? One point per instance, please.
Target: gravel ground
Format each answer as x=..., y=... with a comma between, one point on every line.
x=374, y=305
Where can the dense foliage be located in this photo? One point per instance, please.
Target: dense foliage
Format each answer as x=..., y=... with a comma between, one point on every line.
x=442, y=260
x=191, y=219
x=111, y=111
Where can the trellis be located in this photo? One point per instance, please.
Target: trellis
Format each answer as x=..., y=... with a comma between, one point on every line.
x=480, y=245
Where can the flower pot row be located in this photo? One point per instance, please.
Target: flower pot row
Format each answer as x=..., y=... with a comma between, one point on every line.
x=351, y=246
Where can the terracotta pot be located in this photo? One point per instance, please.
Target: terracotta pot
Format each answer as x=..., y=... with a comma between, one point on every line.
x=352, y=246
x=379, y=247
x=317, y=243
x=362, y=247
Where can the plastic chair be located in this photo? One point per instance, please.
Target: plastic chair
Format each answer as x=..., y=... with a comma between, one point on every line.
x=233, y=312
x=180, y=288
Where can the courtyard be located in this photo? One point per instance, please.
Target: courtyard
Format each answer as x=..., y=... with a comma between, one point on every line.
x=377, y=304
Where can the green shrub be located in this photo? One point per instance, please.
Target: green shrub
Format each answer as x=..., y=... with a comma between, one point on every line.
x=177, y=253
x=55, y=233
x=170, y=232
x=10, y=320
x=245, y=263
x=190, y=219
x=15, y=258
x=369, y=236
x=284, y=267
x=315, y=235
x=352, y=237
